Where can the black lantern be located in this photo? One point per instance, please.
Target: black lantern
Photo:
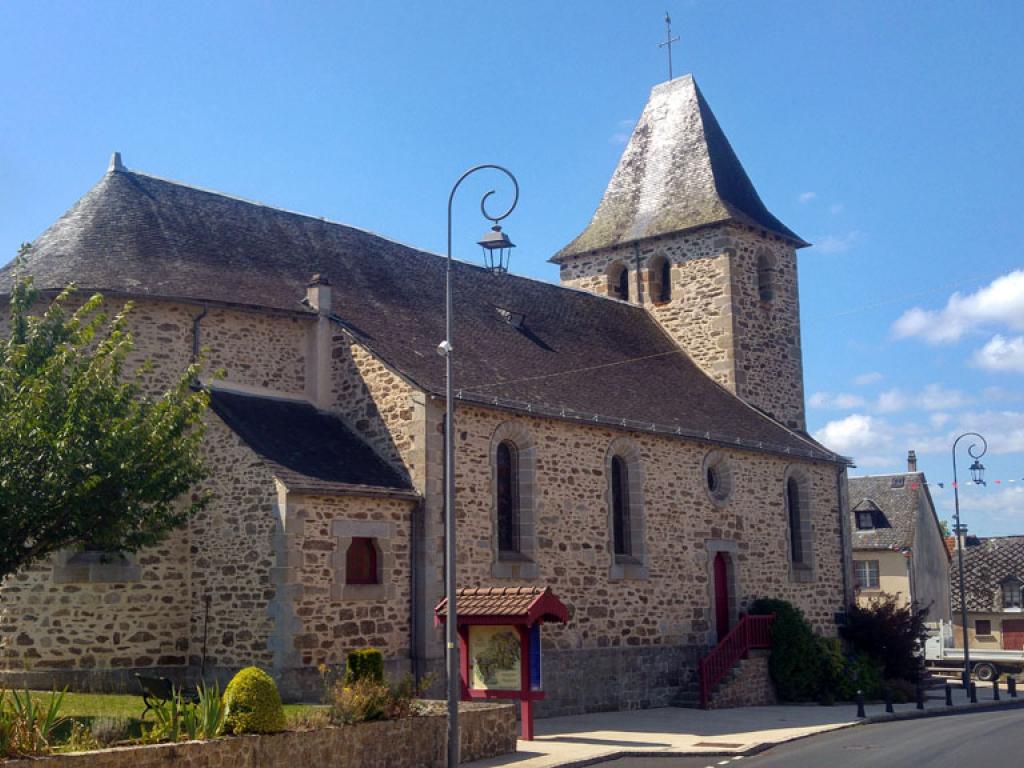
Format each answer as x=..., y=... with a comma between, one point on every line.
x=978, y=472
x=497, y=249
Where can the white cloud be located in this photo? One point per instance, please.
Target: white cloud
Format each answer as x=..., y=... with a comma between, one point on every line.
x=838, y=243
x=853, y=434
x=1001, y=395
x=1001, y=354
x=871, y=377
x=936, y=397
x=806, y=197
x=1000, y=303
x=938, y=420
x=890, y=401
x=842, y=401
x=933, y=397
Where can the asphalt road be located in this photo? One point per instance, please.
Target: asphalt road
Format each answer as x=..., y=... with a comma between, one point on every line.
x=953, y=741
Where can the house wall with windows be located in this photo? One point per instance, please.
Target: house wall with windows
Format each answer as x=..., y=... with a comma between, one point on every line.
x=891, y=576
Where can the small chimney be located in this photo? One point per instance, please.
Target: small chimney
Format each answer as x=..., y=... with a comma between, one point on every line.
x=912, y=460
x=318, y=293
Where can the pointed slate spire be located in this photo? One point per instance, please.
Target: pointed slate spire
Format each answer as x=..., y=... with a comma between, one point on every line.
x=678, y=173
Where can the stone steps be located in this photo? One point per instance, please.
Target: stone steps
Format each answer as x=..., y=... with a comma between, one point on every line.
x=689, y=695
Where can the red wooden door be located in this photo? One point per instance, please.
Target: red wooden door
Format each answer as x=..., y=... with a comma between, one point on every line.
x=721, y=595
x=1013, y=634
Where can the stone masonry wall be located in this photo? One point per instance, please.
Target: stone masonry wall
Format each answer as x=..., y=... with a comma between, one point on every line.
x=486, y=730
x=748, y=685
x=330, y=624
x=715, y=312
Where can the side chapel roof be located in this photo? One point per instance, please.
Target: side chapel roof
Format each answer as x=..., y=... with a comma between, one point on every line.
x=306, y=449
x=573, y=355
x=678, y=172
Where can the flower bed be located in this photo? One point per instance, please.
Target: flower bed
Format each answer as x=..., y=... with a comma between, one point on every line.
x=486, y=730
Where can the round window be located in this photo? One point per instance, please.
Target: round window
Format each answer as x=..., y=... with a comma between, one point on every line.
x=717, y=477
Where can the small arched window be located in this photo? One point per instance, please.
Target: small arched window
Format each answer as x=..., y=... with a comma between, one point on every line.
x=796, y=539
x=507, y=461
x=361, y=562
x=618, y=281
x=765, y=277
x=621, y=534
x=660, y=279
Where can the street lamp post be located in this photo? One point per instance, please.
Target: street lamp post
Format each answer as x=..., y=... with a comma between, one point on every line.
x=978, y=477
x=497, y=247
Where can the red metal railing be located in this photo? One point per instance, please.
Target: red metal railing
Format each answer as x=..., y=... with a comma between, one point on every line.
x=750, y=632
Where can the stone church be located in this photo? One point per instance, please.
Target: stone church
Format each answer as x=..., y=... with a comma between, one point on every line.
x=633, y=438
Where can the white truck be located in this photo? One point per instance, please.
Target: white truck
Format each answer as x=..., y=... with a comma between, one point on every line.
x=986, y=664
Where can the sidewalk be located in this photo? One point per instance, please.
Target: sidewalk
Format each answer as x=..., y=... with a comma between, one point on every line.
x=587, y=739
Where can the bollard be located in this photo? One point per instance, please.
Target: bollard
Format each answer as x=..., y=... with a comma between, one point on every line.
x=949, y=695
x=888, y=701
x=974, y=693
x=995, y=689
x=919, y=696
x=1011, y=686
x=860, y=704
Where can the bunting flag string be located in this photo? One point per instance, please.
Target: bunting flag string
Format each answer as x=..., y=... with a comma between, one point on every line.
x=942, y=485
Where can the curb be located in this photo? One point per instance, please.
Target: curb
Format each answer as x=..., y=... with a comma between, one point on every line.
x=756, y=749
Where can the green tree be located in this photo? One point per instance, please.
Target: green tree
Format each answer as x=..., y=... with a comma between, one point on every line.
x=86, y=457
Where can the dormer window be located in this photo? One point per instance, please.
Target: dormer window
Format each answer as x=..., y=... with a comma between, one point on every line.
x=1011, y=594
x=865, y=520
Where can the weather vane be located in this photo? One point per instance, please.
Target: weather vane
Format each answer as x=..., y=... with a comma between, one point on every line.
x=668, y=42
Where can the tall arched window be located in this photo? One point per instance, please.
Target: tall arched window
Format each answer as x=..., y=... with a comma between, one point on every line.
x=796, y=541
x=361, y=561
x=765, y=277
x=508, y=497
x=660, y=279
x=621, y=534
x=618, y=281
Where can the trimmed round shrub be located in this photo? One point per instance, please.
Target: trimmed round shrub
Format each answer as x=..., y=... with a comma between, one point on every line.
x=364, y=664
x=252, y=703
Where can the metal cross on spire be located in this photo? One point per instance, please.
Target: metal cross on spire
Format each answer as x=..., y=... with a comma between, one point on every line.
x=668, y=42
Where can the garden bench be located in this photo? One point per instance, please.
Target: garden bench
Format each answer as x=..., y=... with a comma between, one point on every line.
x=157, y=690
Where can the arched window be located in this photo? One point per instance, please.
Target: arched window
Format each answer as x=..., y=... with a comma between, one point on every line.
x=507, y=471
x=621, y=534
x=659, y=274
x=361, y=561
x=765, y=277
x=796, y=541
x=618, y=281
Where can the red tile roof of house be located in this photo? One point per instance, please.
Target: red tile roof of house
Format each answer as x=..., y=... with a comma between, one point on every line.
x=526, y=604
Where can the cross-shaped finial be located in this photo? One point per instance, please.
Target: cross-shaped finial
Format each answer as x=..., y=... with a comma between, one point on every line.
x=668, y=42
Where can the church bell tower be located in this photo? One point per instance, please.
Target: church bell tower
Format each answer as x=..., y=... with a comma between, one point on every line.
x=682, y=232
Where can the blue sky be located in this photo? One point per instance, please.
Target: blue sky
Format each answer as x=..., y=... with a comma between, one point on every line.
x=887, y=134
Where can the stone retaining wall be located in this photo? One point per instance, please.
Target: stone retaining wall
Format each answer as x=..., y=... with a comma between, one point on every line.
x=487, y=730
x=748, y=685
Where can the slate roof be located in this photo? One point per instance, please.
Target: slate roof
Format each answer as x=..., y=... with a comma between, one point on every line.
x=575, y=355
x=678, y=172
x=524, y=603
x=305, y=448
x=893, y=501
x=987, y=563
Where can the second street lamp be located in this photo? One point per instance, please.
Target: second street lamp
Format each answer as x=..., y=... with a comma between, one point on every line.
x=496, y=247
x=978, y=477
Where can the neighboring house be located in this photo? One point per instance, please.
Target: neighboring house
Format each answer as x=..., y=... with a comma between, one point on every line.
x=993, y=576
x=632, y=438
x=897, y=542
